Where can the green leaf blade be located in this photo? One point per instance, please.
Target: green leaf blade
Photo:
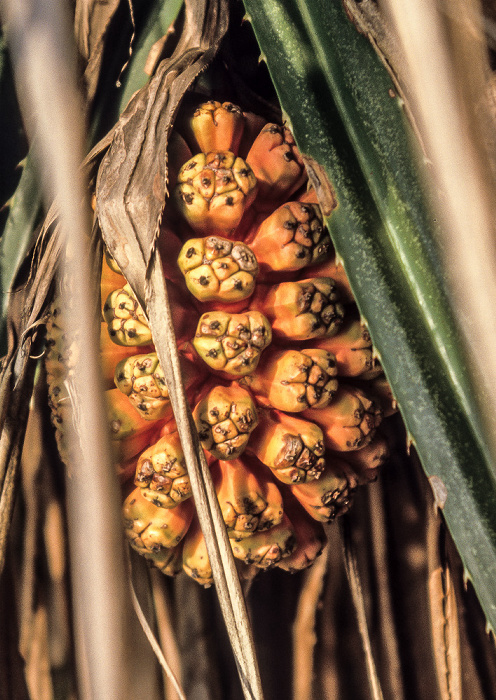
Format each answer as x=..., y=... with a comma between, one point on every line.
x=346, y=119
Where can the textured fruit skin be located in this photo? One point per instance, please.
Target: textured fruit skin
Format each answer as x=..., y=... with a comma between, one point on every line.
x=266, y=549
x=330, y=495
x=161, y=473
x=293, y=448
x=127, y=323
x=301, y=310
x=224, y=418
x=290, y=239
x=352, y=348
x=249, y=501
x=310, y=537
x=216, y=126
x=213, y=191
x=232, y=343
x=195, y=561
x=129, y=432
x=142, y=380
x=278, y=475
x=277, y=165
x=293, y=381
x=349, y=422
x=217, y=269
x=150, y=528
x=111, y=354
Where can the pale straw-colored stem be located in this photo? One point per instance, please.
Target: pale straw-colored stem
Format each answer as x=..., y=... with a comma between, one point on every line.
x=40, y=42
x=446, y=82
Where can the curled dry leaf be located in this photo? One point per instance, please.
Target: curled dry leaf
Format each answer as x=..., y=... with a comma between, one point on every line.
x=130, y=194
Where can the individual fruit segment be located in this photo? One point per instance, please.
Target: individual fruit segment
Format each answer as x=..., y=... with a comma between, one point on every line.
x=292, y=380
x=127, y=323
x=216, y=269
x=161, y=473
x=195, y=559
x=169, y=561
x=266, y=549
x=224, y=418
x=142, y=380
x=130, y=433
x=330, y=495
x=216, y=126
x=249, y=501
x=290, y=239
x=232, y=343
x=350, y=421
x=277, y=165
x=213, y=190
x=150, y=528
x=367, y=461
x=353, y=350
x=380, y=389
x=293, y=448
x=301, y=310
x=310, y=537
x=111, y=354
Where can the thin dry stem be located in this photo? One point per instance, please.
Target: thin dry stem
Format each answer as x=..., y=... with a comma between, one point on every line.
x=443, y=613
x=389, y=632
x=155, y=645
x=304, y=629
x=167, y=637
x=359, y=604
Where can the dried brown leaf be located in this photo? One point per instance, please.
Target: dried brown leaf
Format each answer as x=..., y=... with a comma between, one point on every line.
x=444, y=616
x=131, y=191
x=91, y=22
